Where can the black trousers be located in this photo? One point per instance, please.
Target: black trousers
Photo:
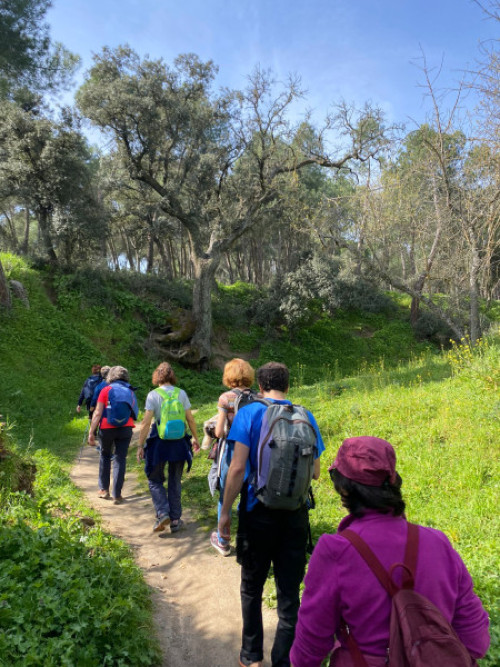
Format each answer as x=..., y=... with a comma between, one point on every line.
x=266, y=537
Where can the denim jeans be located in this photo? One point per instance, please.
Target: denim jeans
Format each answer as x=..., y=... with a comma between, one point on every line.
x=114, y=443
x=278, y=537
x=167, y=501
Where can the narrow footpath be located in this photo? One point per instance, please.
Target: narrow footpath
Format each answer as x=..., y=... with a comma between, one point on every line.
x=195, y=590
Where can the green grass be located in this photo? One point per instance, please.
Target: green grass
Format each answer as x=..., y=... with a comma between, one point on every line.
x=443, y=419
x=358, y=373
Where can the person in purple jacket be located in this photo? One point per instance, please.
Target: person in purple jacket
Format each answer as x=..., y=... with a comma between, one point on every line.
x=340, y=585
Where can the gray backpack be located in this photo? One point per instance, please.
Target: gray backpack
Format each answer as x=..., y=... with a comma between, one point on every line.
x=285, y=456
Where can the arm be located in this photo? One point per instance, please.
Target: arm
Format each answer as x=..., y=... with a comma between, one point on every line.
x=220, y=423
x=96, y=418
x=319, y=613
x=470, y=620
x=192, y=427
x=80, y=400
x=320, y=444
x=143, y=433
x=234, y=482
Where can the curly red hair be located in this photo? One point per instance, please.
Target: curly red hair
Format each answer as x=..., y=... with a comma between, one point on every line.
x=238, y=373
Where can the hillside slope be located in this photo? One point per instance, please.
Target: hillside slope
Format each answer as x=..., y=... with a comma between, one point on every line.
x=359, y=373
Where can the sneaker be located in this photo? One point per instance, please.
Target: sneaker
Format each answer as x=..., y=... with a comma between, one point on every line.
x=176, y=525
x=119, y=500
x=223, y=549
x=102, y=493
x=161, y=523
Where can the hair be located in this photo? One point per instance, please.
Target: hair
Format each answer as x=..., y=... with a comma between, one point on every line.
x=104, y=371
x=273, y=376
x=164, y=374
x=238, y=373
x=117, y=373
x=359, y=497
x=96, y=368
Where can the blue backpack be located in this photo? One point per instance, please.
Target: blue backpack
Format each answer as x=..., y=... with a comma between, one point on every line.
x=122, y=404
x=89, y=386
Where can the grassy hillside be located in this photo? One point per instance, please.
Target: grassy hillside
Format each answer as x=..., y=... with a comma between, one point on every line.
x=359, y=374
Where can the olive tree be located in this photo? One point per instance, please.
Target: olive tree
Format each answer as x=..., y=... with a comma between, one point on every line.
x=216, y=159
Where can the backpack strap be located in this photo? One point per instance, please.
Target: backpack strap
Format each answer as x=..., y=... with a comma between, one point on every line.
x=409, y=563
x=409, y=566
x=358, y=659
x=167, y=394
x=410, y=558
x=371, y=560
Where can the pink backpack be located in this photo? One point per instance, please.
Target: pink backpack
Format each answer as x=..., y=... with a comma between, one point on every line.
x=419, y=635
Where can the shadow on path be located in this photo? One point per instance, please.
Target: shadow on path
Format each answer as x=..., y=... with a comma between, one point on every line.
x=195, y=590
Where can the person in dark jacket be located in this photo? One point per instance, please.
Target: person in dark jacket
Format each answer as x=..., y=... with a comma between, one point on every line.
x=88, y=389
x=104, y=374
x=340, y=586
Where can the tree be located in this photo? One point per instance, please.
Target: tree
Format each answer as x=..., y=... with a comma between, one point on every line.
x=28, y=58
x=48, y=164
x=216, y=161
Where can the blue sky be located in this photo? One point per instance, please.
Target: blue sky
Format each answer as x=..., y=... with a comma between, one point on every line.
x=356, y=50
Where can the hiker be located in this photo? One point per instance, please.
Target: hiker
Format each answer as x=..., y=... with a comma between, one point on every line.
x=114, y=415
x=340, y=586
x=88, y=389
x=267, y=534
x=238, y=377
x=159, y=451
x=104, y=374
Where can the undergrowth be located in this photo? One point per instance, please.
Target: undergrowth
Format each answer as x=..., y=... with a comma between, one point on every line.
x=69, y=592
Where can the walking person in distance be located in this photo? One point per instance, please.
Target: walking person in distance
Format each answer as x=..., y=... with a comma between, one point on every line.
x=163, y=441
x=114, y=416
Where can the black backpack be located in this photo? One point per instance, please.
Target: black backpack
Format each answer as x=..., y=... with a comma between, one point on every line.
x=244, y=397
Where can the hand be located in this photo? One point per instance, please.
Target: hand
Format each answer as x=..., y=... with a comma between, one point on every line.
x=225, y=526
x=91, y=440
x=78, y=408
x=140, y=453
x=196, y=445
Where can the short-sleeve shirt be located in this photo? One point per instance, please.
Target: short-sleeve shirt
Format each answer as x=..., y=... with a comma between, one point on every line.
x=246, y=429
x=154, y=400
x=226, y=404
x=103, y=398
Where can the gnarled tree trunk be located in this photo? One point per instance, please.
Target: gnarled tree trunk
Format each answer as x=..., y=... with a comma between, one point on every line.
x=44, y=227
x=5, y=300
x=204, y=273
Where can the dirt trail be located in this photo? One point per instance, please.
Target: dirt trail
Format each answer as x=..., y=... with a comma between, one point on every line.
x=195, y=591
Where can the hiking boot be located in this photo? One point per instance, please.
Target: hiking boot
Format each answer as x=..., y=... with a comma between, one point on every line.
x=223, y=549
x=102, y=493
x=119, y=500
x=176, y=525
x=161, y=523
x=245, y=662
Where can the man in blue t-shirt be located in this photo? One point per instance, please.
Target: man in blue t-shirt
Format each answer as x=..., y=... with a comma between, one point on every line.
x=265, y=535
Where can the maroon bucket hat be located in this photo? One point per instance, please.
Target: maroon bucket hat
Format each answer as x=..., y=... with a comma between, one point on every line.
x=366, y=460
